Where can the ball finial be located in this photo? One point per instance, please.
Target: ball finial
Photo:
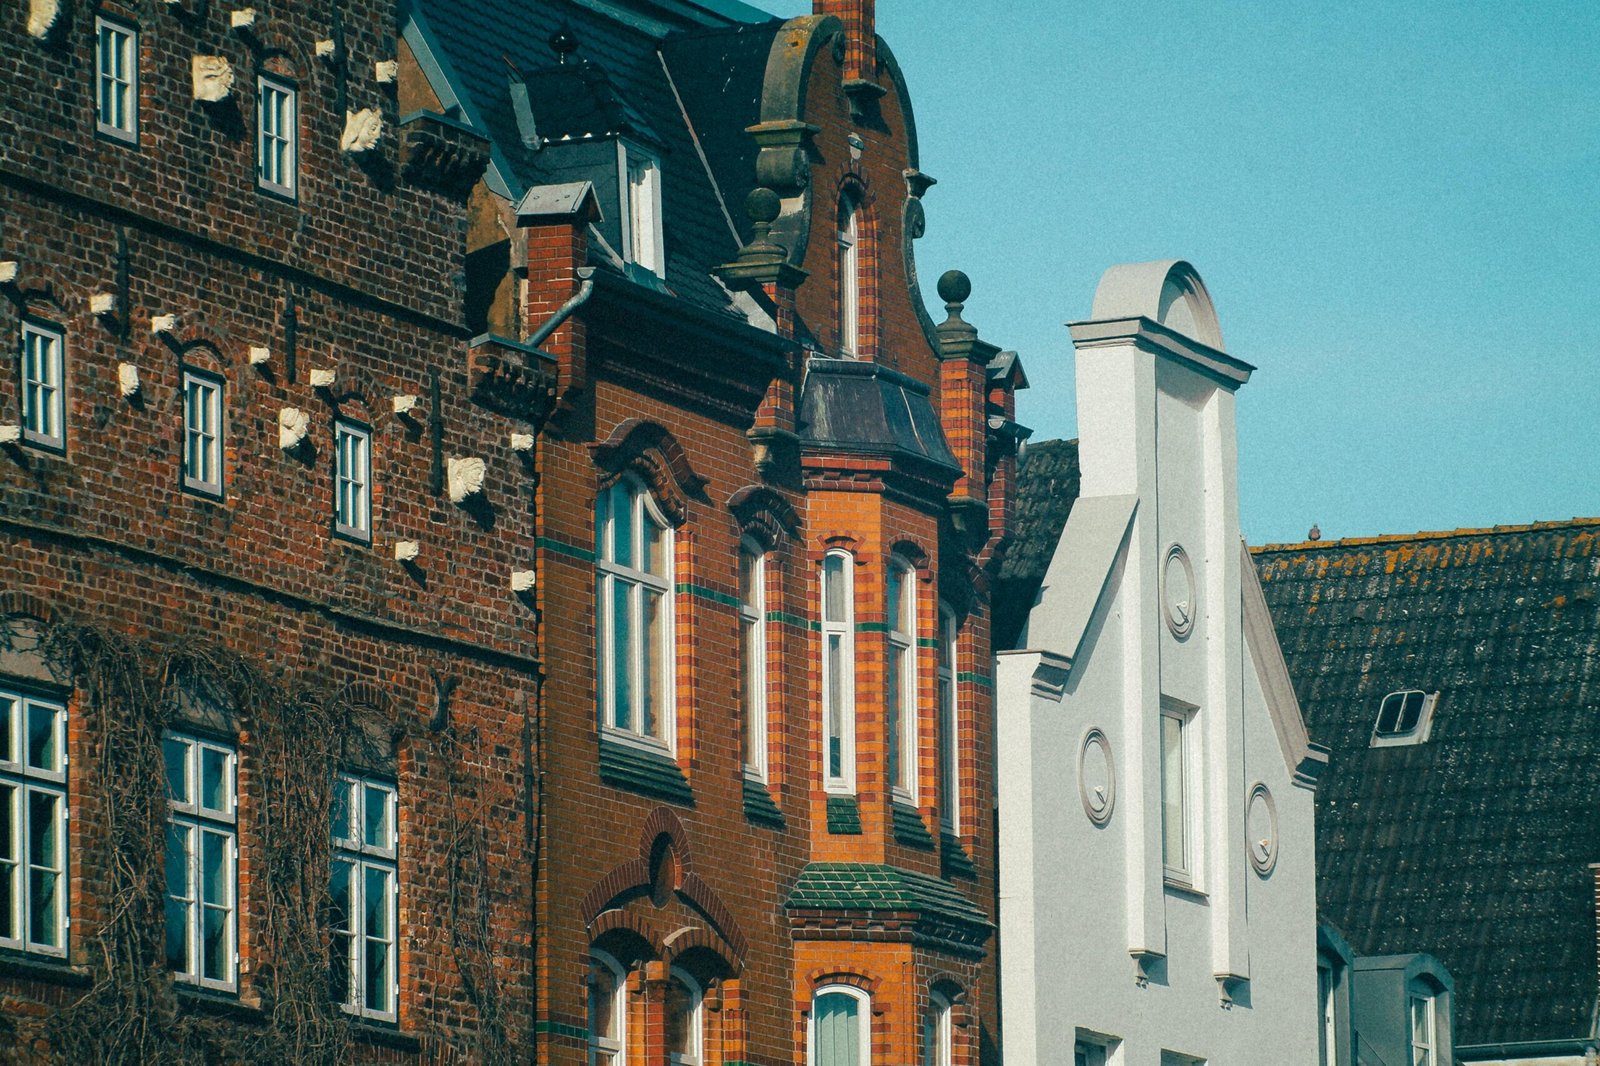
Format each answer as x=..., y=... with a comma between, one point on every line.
x=763, y=205
x=563, y=43
x=954, y=287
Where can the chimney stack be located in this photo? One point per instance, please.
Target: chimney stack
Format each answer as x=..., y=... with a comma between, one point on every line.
x=861, y=35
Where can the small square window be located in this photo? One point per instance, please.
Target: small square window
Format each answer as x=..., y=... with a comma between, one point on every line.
x=43, y=389
x=116, y=80
x=277, y=138
x=641, y=217
x=1404, y=717
x=352, y=481
x=202, y=433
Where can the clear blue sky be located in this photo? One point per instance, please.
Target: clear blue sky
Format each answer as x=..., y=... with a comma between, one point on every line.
x=1396, y=207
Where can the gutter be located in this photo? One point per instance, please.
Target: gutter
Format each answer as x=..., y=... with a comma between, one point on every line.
x=1588, y=1046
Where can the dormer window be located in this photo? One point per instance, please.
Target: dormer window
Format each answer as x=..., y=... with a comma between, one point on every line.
x=1404, y=717
x=849, y=277
x=641, y=208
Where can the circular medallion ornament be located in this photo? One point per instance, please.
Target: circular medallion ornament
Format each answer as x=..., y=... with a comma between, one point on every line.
x=1178, y=591
x=1097, y=777
x=1261, y=830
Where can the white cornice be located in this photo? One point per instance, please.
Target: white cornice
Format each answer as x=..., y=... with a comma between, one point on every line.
x=1152, y=336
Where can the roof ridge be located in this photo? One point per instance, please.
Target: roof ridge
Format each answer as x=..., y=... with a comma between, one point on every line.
x=1400, y=538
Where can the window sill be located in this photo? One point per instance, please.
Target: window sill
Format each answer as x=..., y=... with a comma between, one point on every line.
x=844, y=816
x=1186, y=890
x=909, y=828
x=759, y=806
x=221, y=1004
x=379, y=1034
x=645, y=770
x=40, y=968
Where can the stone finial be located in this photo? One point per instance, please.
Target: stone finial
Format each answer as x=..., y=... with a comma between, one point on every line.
x=293, y=425
x=128, y=380
x=957, y=337
x=1315, y=533
x=466, y=478
x=361, y=130
x=563, y=43
x=763, y=259
x=954, y=288
x=213, y=78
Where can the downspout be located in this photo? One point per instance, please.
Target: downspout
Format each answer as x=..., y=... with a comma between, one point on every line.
x=564, y=312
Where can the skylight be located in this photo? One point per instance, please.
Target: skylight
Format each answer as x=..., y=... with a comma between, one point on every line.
x=1404, y=717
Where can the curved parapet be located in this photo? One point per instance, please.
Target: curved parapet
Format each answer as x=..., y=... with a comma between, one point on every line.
x=1166, y=291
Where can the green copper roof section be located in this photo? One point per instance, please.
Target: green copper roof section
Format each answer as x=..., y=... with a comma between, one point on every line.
x=844, y=816
x=874, y=887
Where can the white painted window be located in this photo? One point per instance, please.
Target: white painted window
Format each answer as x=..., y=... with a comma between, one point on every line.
x=1404, y=717
x=641, y=215
x=608, y=1011
x=685, y=1011
x=202, y=857
x=1328, y=1030
x=1179, y=769
x=1424, y=1047
x=937, y=1049
x=116, y=80
x=633, y=596
x=352, y=480
x=838, y=673
x=841, y=1028
x=949, y=726
x=33, y=824
x=277, y=136
x=202, y=433
x=849, y=265
x=364, y=964
x=44, y=415
x=753, y=655
x=900, y=696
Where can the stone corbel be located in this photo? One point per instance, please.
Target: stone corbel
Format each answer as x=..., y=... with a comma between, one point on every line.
x=783, y=159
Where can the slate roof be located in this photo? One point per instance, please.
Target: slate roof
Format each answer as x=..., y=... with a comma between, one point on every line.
x=1473, y=845
x=479, y=42
x=1047, y=486
x=877, y=888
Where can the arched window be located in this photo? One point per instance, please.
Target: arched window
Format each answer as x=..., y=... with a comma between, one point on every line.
x=685, y=1009
x=849, y=275
x=608, y=1015
x=838, y=673
x=633, y=603
x=900, y=697
x=753, y=655
x=936, y=1047
x=949, y=731
x=841, y=1028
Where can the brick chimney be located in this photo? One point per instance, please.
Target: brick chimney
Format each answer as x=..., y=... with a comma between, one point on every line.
x=861, y=35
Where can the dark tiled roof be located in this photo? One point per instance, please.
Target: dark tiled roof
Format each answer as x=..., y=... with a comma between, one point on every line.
x=481, y=41
x=874, y=887
x=1474, y=845
x=1047, y=485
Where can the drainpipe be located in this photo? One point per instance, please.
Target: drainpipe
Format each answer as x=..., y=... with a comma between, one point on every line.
x=564, y=312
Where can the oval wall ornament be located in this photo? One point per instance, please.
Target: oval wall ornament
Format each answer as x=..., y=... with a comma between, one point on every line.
x=1097, y=777
x=1261, y=830
x=1178, y=592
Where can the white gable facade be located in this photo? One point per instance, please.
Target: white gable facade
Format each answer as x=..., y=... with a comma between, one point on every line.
x=1158, y=899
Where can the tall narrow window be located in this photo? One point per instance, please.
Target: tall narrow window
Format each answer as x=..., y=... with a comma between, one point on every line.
x=43, y=395
x=684, y=1008
x=840, y=1028
x=838, y=673
x=33, y=824
x=202, y=854
x=608, y=1011
x=1177, y=847
x=202, y=433
x=116, y=80
x=936, y=1032
x=641, y=237
x=900, y=697
x=277, y=140
x=363, y=971
x=1424, y=1049
x=753, y=655
x=633, y=595
x=849, y=277
x=949, y=730
x=352, y=480
x=1328, y=1031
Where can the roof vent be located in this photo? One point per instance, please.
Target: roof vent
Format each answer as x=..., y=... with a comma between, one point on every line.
x=1404, y=717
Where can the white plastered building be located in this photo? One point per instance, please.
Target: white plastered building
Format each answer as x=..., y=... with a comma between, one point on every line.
x=1156, y=782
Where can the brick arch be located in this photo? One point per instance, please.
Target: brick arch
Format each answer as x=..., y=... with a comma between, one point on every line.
x=14, y=603
x=913, y=553
x=661, y=821
x=45, y=292
x=823, y=543
x=764, y=514
x=865, y=980
x=355, y=384
x=617, y=920
x=198, y=331
x=289, y=53
x=709, y=903
x=366, y=694
x=650, y=451
x=630, y=876
x=690, y=938
x=948, y=985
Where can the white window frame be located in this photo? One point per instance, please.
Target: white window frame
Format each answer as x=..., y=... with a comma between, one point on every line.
x=42, y=353
x=1417, y=733
x=607, y=1050
x=949, y=723
x=352, y=480
x=696, y=1022
x=1425, y=1052
x=753, y=646
x=849, y=267
x=1328, y=1037
x=361, y=855
x=938, y=1032
x=27, y=780
x=863, y=1023
x=277, y=136
x=637, y=586
x=1184, y=873
x=838, y=697
x=202, y=437
x=900, y=701
x=193, y=819
x=639, y=176
x=116, y=80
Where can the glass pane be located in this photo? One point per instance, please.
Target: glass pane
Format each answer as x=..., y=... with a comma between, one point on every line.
x=8, y=719
x=8, y=813
x=1419, y=1021
x=749, y=583
x=178, y=861
x=215, y=876
x=1389, y=713
x=8, y=864
x=1411, y=712
x=176, y=754
x=833, y=589
x=835, y=708
x=655, y=680
x=339, y=911
x=602, y=999
x=378, y=980
x=342, y=829
x=214, y=780
x=215, y=950
x=376, y=898
x=652, y=560
x=44, y=837
x=838, y=1032
x=680, y=1009
x=1173, y=844
x=375, y=827
x=602, y=518
x=42, y=741
x=621, y=655
x=896, y=598
x=893, y=711
x=43, y=926
x=752, y=698
x=178, y=936
x=340, y=949
x=622, y=525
